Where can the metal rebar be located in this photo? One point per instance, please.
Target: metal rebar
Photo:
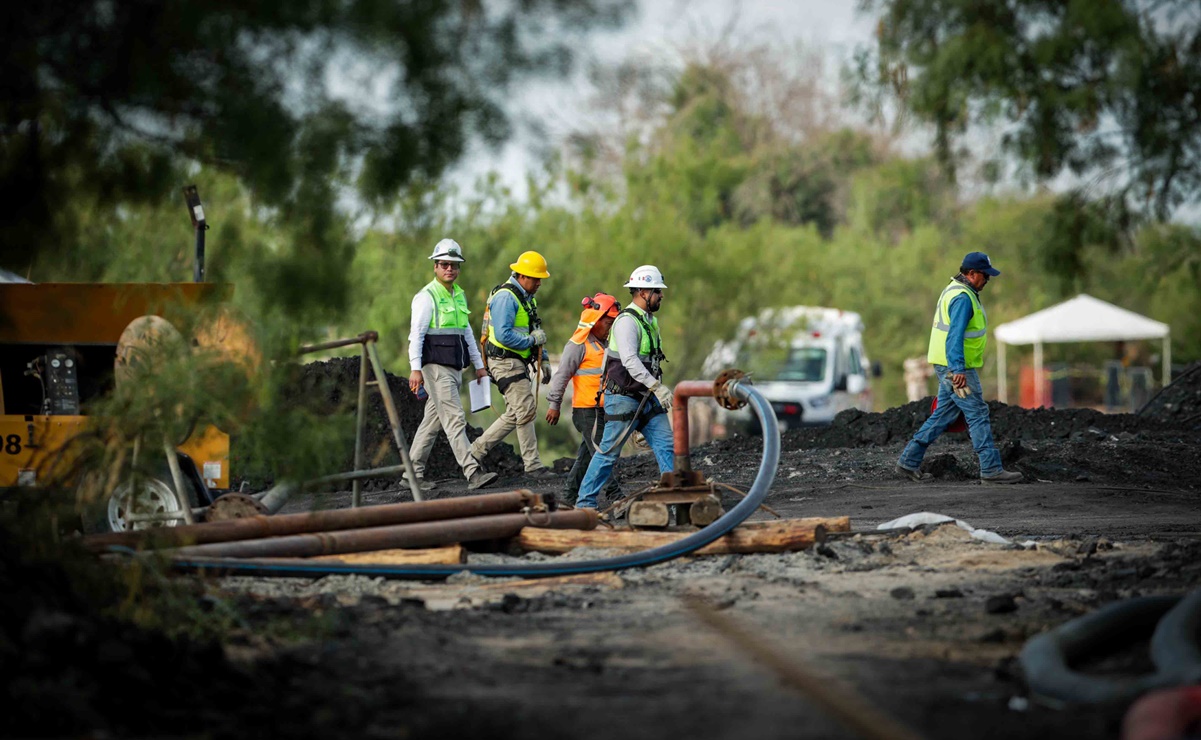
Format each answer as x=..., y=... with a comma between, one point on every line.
x=488, y=504
x=420, y=534
x=356, y=490
x=393, y=418
x=840, y=702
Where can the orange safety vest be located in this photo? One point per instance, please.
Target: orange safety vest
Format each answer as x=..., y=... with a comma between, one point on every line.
x=586, y=383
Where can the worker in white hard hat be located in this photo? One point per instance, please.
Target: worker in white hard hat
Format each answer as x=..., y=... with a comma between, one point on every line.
x=636, y=399
x=514, y=342
x=441, y=345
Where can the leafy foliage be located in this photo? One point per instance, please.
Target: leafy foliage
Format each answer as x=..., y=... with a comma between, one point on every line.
x=1104, y=88
x=104, y=101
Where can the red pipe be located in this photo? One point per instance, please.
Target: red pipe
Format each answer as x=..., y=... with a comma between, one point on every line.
x=685, y=390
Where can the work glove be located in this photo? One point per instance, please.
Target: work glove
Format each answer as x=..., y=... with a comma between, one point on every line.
x=545, y=372
x=663, y=393
x=539, y=337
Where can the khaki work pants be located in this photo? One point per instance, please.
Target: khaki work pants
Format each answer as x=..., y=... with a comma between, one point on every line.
x=521, y=407
x=443, y=412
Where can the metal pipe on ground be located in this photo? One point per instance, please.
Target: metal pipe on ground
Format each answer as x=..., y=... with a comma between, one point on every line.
x=421, y=534
x=320, y=521
x=274, y=499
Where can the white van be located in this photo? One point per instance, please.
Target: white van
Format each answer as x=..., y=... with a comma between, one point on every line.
x=808, y=361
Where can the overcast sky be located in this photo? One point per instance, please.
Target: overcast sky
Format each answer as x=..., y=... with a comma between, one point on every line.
x=656, y=31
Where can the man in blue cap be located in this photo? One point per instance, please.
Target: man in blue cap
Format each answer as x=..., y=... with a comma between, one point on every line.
x=957, y=342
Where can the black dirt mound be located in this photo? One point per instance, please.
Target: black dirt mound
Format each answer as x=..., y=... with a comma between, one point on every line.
x=1180, y=403
x=854, y=428
x=335, y=383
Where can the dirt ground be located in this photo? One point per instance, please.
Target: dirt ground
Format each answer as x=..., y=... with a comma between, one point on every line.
x=925, y=625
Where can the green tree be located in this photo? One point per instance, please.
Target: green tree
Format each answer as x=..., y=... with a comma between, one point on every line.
x=103, y=102
x=1103, y=89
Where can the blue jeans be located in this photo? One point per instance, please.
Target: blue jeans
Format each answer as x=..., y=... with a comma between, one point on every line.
x=652, y=423
x=975, y=412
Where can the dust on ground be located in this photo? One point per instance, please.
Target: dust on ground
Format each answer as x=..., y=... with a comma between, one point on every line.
x=926, y=624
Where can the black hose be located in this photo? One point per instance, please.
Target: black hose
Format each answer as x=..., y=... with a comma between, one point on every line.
x=1048, y=659
x=1174, y=646
x=764, y=478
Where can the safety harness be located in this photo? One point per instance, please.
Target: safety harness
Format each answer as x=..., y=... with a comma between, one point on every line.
x=491, y=350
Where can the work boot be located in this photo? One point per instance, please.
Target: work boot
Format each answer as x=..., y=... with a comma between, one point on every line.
x=1005, y=476
x=480, y=479
x=422, y=483
x=542, y=473
x=914, y=475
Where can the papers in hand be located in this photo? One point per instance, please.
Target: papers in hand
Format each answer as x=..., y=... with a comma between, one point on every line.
x=481, y=394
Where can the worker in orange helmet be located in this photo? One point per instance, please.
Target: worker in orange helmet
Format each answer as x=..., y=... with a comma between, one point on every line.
x=582, y=363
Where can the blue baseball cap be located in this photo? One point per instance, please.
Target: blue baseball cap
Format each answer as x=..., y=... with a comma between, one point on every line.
x=979, y=262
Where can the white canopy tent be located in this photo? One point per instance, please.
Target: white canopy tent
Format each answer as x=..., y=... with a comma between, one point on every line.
x=1081, y=319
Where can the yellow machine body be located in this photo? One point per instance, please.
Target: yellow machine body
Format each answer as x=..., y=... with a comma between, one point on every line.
x=88, y=318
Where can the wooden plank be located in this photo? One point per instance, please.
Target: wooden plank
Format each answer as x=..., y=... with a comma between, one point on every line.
x=784, y=535
x=449, y=555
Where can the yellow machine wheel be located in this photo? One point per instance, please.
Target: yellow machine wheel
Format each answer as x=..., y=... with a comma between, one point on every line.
x=135, y=498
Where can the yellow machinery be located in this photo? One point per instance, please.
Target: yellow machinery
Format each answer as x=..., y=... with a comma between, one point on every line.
x=58, y=348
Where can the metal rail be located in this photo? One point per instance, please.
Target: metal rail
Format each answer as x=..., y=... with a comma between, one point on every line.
x=370, y=357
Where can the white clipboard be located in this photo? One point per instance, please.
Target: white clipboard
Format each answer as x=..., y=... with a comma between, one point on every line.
x=480, y=391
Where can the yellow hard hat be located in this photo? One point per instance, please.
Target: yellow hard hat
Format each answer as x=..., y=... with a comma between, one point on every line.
x=530, y=264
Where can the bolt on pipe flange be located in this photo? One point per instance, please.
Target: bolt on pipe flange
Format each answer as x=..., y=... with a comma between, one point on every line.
x=721, y=389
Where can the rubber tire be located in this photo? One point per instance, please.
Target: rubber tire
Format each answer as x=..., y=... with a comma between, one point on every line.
x=94, y=519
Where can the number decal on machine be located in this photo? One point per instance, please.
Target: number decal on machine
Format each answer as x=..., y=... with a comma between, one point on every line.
x=12, y=444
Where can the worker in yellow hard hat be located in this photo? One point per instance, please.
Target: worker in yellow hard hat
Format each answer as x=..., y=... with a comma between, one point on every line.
x=514, y=341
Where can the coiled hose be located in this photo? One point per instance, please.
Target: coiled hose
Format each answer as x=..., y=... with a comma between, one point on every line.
x=1172, y=622
x=763, y=480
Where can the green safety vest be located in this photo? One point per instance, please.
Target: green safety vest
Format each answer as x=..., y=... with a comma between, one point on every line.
x=521, y=321
x=975, y=337
x=446, y=338
x=650, y=353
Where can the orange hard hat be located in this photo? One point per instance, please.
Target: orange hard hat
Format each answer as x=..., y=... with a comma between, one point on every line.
x=604, y=303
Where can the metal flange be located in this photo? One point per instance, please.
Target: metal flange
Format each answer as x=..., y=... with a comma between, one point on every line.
x=721, y=392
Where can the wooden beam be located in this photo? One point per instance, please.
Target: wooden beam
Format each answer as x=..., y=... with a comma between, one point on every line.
x=449, y=555
x=784, y=535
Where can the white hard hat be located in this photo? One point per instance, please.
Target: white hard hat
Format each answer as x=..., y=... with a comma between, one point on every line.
x=448, y=250
x=646, y=276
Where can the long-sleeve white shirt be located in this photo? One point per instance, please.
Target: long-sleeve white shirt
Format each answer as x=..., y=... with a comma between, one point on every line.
x=423, y=311
x=628, y=338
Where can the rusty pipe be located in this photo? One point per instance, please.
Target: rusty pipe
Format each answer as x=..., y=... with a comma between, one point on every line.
x=319, y=521
x=685, y=390
x=420, y=534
